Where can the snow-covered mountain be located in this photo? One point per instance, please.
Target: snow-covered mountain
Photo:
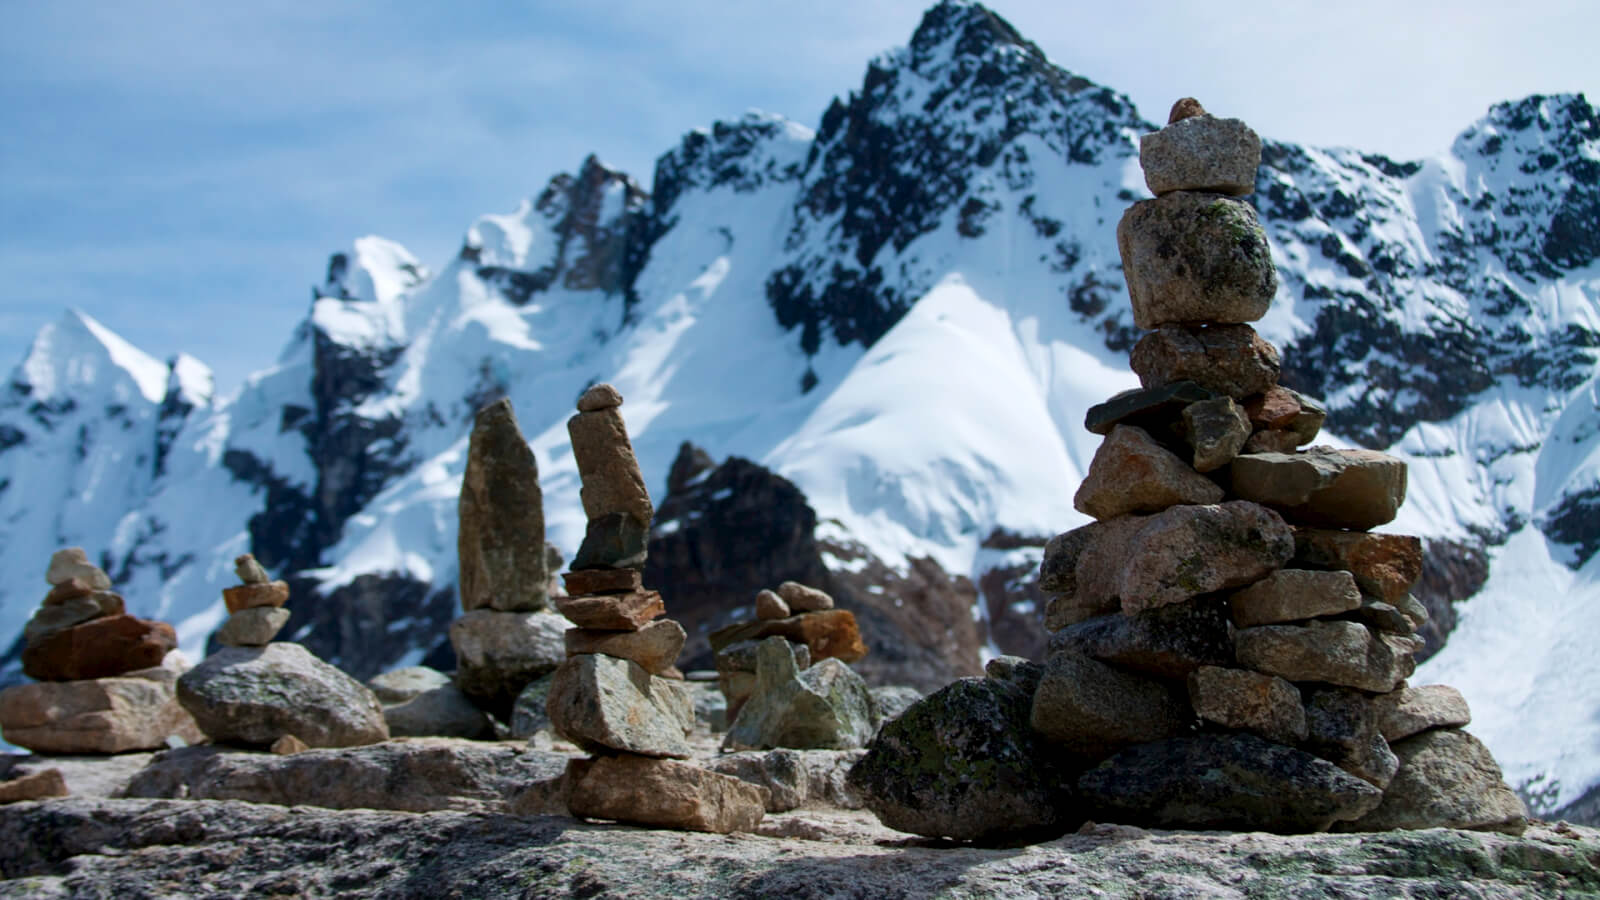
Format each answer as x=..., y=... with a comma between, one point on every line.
x=905, y=314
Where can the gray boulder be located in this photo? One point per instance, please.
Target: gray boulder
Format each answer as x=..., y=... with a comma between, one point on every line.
x=1447, y=779
x=962, y=763
x=253, y=627
x=1225, y=781
x=826, y=706
x=499, y=653
x=443, y=711
x=1201, y=153
x=890, y=700
x=255, y=695
x=528, y=714
x=604, y=704
x=1342, y=653
x=1193, y=257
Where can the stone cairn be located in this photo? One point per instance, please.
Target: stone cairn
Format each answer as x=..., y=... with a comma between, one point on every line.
x=1230, y=641
x=105, y=679
x=613, y=696
x=804, y=616
x=255, y=606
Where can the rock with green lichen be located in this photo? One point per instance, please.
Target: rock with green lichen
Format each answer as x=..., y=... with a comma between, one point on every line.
x=255, y=695
x=827, y=706
x=1193, y=257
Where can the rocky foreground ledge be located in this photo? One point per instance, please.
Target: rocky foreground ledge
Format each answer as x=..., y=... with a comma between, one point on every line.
x=97, y=847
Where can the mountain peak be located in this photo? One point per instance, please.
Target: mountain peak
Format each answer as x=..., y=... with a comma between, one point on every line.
x=971, y=29
x=76, y=353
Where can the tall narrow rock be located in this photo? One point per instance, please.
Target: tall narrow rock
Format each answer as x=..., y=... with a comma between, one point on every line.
x=500, y=543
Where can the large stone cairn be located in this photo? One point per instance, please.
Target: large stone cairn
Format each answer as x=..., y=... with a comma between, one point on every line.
x=1230, y=641
x=618, y=695
x=105, y=680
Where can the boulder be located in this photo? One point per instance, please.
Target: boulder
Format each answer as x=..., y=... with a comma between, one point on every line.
x=1232, y=360
x=1168, y=641
x=1192, y=257
x=1447, y=779
x=1339, y=653
x=826, y=706
x=1225, y=781
x=102, y=715
x=655, y=646
x=663, y=794
x=253, y=627
x=529, y=714
x=500, y=542
x=1249, y=701
x=1201, y=153
x=401, y=685
x=612, y=612
x=1091, y=710
x=1153, y=409
x=829, y=633
x=1216, y=430
x=1413, y=710
x=1131, y=473
x=795, y=778
x=499, y=653
x=1384, y=565
x=1324, y=486
x=254, y=695
x=604, y=704
x=1291, y=594
x=801, y=598
x=442, y=711
x=99, y=648
x=1272, y=440
x=602, y=581
x=963, y=763
x=34, y=786
x=249, y=596
x=607, y=467
x=71, y=562
x=890, y=700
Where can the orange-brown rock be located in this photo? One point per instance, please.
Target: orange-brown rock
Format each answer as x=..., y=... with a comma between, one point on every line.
x=663, y=793
x=1384, y=565
x=248, y=596
x=601, y=581
x=612, y=612
x=1275, y=408
x=655, y=647
x=1187, y=108
x=100, y=648
x=829, y=633
x=37, y=786
x=71, y=589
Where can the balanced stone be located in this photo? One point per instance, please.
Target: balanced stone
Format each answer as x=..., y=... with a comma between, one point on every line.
x=609, y=471
x=1383, y=617
x=804, y=599
x=1225, y=781
x=601, y=581
x=254, y=627
x=1324, y=486
x=1447, y=779
x=612, y=612
x=254, y=695
x=498, y=653
x=1384, y=565
x=613, y=541
x=770, y=606
x=1290, y=594
x=137, y=711
x=70, y=589
x=1412, y=710
x=99, y=648
x=1201, y=153
x=1091, y=709
x=50, y=618
x=251, y=596
x=1232, y=360
x=1273, y=407
x=249, y=570
x=1192, y=257
x=604, y=705
x=655, y=647
x=1216, y=430
x=662, y=793
x=1340, y=653
x=72, y=562
x=1249, y=701
x=598, y=397
x=963, y=763
x=829, y=633
x=1152, y=409
x=1132, y=473
x=1184, y=108
x=826, y=706
x=500, y=543
x=401, y=685
x=1167, y=641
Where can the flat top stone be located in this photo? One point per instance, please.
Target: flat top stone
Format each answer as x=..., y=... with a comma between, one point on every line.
x=1133, y=406
x=601, y=396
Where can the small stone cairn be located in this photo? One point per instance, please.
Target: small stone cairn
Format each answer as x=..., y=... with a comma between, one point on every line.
x=255, y=606
x=803, y=615
x=1230, y=640
x=617, y=694
x=105, y=679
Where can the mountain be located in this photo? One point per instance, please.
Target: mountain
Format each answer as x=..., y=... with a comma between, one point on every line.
x=888, y=330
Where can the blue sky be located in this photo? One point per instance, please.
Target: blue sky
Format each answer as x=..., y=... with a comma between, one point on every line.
x=182, y=170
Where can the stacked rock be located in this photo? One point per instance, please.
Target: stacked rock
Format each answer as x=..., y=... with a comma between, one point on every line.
x=255, y=606
x=1232, y=576
x=610, y=696
x=1230, y=641
x=803, y=615
x=105, y=678
x=507, y=638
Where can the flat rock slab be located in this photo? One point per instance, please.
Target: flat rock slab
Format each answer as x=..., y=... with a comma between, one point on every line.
x=1384, y=565
x=1413, y=710
x=255, y=695
x=1291, y=594
x=1090, y=710
x=608, y=705
x=40, y=785
x=1340, y=653
x=400, y=685
x=655, y=647
x=1232, y=360
x=795, y=778
x=413, y=775
x=1324, y=486
x=663, y=793
x=134, y=848
x=99, y=648
x=1447, y=779
x=1131, y=473
x=828, y=633
x=105, y=715
x=1153, y=409
x=612, y=612
x=963, y=763
x=1201, y=153
x=1195, y=258
x=1233, y=781
x=500, y=542
x=1168, y=641
x=249, y=596
x=50, y=617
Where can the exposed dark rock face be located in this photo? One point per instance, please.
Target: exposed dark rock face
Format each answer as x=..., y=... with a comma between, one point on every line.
x=1451, y=573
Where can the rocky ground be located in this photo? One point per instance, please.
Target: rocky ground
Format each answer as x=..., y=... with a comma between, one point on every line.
x=452, y=828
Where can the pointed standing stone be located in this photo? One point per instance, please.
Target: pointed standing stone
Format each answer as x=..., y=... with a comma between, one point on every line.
x=612, y=483
x=501, y=539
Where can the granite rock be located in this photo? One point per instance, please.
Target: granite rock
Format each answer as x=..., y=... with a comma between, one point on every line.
x=1201, y=153
x=1216, y=430
x=1249, y=701
x=1167, y=641
x=1232, y=360
x=655, y=647
x=253, y=627
x=1090, y=710
x=499, y=653
x=99, y=648
x=605, y=705
x=664, y=794
x=1131, y=473
x=1413, y=710
x=253, y=695
x=1291, y=594
x=138, y=711
x=250, y=596
x=1384, y=565
x=612, y=612
x=826, y=706
x=1324, y=486
x=1195, y=257
x=1446, y=779
x=1332, y=652
x=500, y=542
